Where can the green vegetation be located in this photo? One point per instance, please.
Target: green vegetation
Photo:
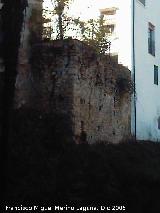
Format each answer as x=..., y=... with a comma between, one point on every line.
x=93, y=32
x=59, y=13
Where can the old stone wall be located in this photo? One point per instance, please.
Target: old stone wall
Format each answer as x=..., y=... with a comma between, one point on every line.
x=68, y=78
x=101, y=109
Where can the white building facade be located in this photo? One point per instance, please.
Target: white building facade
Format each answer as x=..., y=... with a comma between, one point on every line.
x=136, y=40
x=147, y=65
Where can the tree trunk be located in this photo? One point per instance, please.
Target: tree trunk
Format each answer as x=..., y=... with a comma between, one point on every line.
x=61, y=34
x=12, y=15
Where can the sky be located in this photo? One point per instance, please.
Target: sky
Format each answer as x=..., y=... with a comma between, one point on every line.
x=85, y=9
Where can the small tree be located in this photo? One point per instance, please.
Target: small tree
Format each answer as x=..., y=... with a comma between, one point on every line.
x=58, y=12
x=96, y=35
x=47, y=26
x=93, y=31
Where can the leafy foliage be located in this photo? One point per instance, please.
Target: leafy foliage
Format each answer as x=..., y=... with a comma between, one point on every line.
x=59, y=12
x=124, y=84
x=93, y=32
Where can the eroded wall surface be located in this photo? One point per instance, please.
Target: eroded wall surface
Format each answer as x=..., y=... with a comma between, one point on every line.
x=68, y=78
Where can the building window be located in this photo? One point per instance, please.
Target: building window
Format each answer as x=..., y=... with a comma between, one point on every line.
x=110, y=28
x=143, y=2
x=159, y=123
x=155, y=74
x=151, y=39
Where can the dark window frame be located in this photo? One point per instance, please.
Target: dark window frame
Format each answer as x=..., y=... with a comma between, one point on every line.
x=155, y=74
x=151, y=39
x=110, y=28
x=159, y=123
x=143, y=2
